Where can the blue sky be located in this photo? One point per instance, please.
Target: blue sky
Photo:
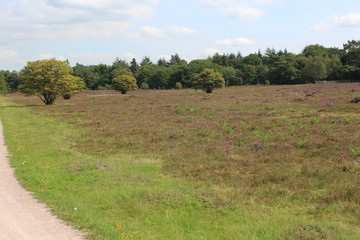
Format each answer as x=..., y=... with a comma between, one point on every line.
x=98, y=31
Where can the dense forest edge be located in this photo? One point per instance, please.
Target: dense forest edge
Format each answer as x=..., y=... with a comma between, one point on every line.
x=314, y=63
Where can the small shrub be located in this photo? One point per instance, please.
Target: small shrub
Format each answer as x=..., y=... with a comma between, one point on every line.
x=106, y=87
x=355, y=152
x=226, y=127
x=180, y=111
x=178, y=86
x=67, y=96
x=267, y=82
x=144, y=86
x=355, y=100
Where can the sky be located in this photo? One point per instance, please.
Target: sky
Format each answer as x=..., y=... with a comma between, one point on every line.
x=91, y=32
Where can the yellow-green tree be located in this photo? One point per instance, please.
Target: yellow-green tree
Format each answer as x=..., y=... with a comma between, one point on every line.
x=208, y=79
x=48, y=79
x=124, y=83
x=78, y=86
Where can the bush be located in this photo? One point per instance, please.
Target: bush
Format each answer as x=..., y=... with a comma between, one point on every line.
x=124, y=83
x=67, y=96
x=178, y=86
x=144, y=86
x=208, y=79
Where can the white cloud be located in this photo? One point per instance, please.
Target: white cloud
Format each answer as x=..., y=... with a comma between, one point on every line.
x=6, y=54
x=127, y=56
x=49, y=56
x=268, y=1
x=234, y=42
x=215, y=3
x=89, y=55
x=98, y=3
x=211, y=51
x=182, y=30
x=24, y=21
x=352, y=19
x=322, y=27
x=349, y=20
x=242, y=13
x=46, y=56
x=148, y=32
x=153, y=32
x=239, y=9
x=87, y=58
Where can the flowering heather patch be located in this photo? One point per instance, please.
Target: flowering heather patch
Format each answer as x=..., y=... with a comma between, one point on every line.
x=253, y=142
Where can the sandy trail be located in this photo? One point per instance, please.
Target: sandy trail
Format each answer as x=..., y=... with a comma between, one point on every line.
x=21, y=216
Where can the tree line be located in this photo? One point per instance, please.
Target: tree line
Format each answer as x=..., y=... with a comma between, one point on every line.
x=314, y=63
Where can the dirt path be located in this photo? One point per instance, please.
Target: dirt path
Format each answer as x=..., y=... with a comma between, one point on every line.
x=21, y=216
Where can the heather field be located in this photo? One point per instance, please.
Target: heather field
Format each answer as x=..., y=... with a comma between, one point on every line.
x=251, y=162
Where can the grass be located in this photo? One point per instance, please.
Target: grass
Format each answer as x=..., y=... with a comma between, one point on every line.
x=278, y=162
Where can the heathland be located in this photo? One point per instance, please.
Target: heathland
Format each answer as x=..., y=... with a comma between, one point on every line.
x=250, y=162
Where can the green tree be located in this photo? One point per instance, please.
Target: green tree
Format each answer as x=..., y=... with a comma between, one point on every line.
x=120, y=67
x=238, y=80
x=208, y=79
x=180, y=73
x=145, y=61
x=175, y=59
x=3, y=85
x=315, y=50
x=262, y=73
x=144, y=74
x=78, y=86
x=248, y=74
x=162, y=62
x=283, y=70
x=351, y=58
x=229, y=75
x=159, y=79
x=124, y=83
x=315, y=69
x=252, y=59
x=333, y=66
x=103, y=73
x=347, y=72
x=12, y=80
x=134, y=67
x=90, y=78
x=48, y=79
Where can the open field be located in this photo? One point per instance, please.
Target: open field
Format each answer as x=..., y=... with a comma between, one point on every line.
x=276, y=162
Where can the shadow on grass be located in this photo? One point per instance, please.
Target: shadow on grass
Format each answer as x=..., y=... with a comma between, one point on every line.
x=23, y=106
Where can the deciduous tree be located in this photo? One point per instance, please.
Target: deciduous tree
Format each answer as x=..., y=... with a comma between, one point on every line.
x=124, y=83
x=48, y=79
x=208, y=79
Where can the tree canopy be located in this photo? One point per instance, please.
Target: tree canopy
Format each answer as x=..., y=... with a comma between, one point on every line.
x=48, y=79
x=3, y=84
x=315, y=62
x=208, y=79
x=124, y=83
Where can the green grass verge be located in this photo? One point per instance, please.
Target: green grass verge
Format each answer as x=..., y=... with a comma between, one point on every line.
x=128, y=196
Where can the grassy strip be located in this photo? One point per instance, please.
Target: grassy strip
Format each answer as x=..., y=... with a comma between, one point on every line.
x=122, y=196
